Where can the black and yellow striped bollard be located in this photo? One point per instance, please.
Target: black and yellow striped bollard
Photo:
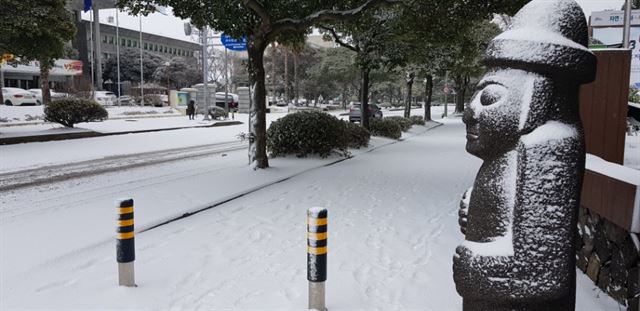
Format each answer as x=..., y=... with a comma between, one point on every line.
x=125, y=246
x=317, y=256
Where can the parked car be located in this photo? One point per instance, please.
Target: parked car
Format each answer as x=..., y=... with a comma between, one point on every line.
x=232, y=99
x=125, y=100
x=54, y=95
x=355, y=112
x=105, y=98
x=18, y=97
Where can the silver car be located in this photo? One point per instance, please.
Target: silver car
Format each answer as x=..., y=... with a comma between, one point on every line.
x=355, y=112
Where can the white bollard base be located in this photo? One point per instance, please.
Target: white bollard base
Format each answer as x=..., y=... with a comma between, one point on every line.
x=126, y=275
x=316, y=296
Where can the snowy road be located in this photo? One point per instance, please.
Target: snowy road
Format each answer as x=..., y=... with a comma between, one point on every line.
x=392, y=232
x=57, y=173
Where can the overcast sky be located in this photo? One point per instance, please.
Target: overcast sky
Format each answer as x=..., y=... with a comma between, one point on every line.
x=173, y=27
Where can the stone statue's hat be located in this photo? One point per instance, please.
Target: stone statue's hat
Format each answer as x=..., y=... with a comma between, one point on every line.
x=546, y=36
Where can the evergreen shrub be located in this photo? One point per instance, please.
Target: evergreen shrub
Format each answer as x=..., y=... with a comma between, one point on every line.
x=405, y=123
x=218, y=112
x=417, y=120
x=385, y=127
x=312, y=132
x=72, y=111
x=356, y=135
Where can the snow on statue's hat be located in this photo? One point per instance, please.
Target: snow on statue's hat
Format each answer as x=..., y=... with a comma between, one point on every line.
x=546, y=36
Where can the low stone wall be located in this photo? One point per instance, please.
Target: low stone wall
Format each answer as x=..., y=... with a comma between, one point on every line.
x=609, y=255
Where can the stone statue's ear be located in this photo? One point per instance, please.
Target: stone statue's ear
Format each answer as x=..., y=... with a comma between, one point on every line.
x=537, y=104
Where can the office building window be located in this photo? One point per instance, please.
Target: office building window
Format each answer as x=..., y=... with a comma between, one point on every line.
x=129, y=43
x=123, y=42
x=145, y=45
x=135, y=44
x=110, y=39
x=155, y=48
x=104, y=39
x=165, y=49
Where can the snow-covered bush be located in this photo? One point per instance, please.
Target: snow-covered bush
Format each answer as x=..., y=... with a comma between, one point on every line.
x=385, y=127
x=71, y=111
x=307, y=132
x=153, y=100
x=417, y=120
x=634, y=96
x=405, y=123
x=356, y=135
x=217, y=112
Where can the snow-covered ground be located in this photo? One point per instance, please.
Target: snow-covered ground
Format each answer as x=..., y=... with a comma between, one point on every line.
x=392, y=232
x=632, y=151
x=35, y=114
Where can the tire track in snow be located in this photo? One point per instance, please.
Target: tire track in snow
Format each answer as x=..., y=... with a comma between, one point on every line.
x=57, y=173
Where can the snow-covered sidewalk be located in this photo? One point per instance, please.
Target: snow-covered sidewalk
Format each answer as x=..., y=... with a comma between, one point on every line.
x=392, y=234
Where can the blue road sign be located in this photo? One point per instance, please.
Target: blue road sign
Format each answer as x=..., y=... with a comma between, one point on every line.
x=233, y=43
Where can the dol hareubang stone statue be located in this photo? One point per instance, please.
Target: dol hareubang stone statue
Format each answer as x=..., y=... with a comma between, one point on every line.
x=519, y=218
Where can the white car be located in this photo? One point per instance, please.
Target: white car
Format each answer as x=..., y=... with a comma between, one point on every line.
x=54, y=95
x=14, y=96
x=105, y=98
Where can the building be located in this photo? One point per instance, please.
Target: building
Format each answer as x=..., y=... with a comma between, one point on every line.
x=605, y=27
x=76, y=73
x=151, y=43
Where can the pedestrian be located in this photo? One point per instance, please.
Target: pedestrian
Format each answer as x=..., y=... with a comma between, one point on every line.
x=191, y=109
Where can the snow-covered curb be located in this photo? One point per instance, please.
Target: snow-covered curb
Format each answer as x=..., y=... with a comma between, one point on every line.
x=622, y=173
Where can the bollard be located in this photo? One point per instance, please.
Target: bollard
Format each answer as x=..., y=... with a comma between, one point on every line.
x=317, y=256
x=125, y=246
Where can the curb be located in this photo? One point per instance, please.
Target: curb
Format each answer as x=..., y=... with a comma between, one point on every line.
x=90, y=134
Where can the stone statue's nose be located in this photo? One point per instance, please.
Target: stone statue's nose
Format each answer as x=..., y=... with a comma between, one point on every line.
x=468, y=116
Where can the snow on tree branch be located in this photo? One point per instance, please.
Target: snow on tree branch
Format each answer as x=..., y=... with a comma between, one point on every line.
x=338, y=40
x=289, y=24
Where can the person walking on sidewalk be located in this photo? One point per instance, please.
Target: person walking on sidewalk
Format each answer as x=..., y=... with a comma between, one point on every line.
x=191, y=109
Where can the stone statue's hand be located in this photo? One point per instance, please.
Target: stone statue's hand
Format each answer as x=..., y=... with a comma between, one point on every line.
x=464, y=210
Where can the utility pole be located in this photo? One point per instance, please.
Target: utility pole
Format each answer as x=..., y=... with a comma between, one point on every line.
x=226, y=81
x=205, y=86
x=98, y=48
x=627, y=25
x=141, y=67
x=118, y=54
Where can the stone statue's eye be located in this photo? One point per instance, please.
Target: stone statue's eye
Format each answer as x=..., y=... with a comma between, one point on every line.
x=491, y=94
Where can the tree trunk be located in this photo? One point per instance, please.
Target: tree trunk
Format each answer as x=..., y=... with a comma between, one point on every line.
x=364, y=99
x=344, y=97
x=273, y=72
x=407, y=103
x=459, y=86
x=44, y=83
x=295, y=77
x=1, y=82
x=286, y=75
x=428, y=92
x=257, y=77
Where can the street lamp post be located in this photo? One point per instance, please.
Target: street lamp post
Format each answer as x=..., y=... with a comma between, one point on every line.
x=205, y=90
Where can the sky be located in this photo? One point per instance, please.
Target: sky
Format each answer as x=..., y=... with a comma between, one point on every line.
x=173, y=27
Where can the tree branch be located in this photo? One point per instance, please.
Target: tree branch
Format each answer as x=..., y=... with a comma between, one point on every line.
x=259, y=9
x=339, y=41
x=289, y=24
